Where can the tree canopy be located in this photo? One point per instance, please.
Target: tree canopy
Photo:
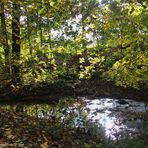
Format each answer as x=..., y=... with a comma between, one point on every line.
x=48, y=40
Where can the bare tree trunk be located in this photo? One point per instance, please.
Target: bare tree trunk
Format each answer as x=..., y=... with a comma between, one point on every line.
x=41, y=31
x=5, y=40
x=28, y=35
x=15, y=42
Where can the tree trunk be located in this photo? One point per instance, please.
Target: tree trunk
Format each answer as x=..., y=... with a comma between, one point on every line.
x=41, y=31
x=15, y=43
x=28, y=35
x=5, y=40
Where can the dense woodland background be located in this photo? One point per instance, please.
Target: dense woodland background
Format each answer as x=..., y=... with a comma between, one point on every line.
x=67, y=71
x=71, y=40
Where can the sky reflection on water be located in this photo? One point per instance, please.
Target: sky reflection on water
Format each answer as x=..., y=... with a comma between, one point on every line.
x=118, y=118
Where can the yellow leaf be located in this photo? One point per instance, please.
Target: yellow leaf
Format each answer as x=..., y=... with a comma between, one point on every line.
x=87, y=145
x=45, y=138
x=52, y=3
x=44, y=145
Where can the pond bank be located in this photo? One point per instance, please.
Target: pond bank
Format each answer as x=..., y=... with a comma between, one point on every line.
x=53, y=91
x=108, y=89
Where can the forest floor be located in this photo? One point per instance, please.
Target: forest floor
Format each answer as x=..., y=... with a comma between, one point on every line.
x=20, y=131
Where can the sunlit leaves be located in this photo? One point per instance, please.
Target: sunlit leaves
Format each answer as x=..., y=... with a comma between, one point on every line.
x=127, y=72
x=44, y=145
x=82, y=38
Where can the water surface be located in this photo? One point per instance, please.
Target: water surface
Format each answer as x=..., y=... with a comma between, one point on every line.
x=112, y=118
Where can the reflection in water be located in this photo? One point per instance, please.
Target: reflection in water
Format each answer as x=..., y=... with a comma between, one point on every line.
x=117, y=119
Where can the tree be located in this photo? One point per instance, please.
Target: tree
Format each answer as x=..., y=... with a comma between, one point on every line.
x=15, y=42
x=5, y=40
x=61, y=37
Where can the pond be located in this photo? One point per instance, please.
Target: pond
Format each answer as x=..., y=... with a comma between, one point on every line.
x=113, y=118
